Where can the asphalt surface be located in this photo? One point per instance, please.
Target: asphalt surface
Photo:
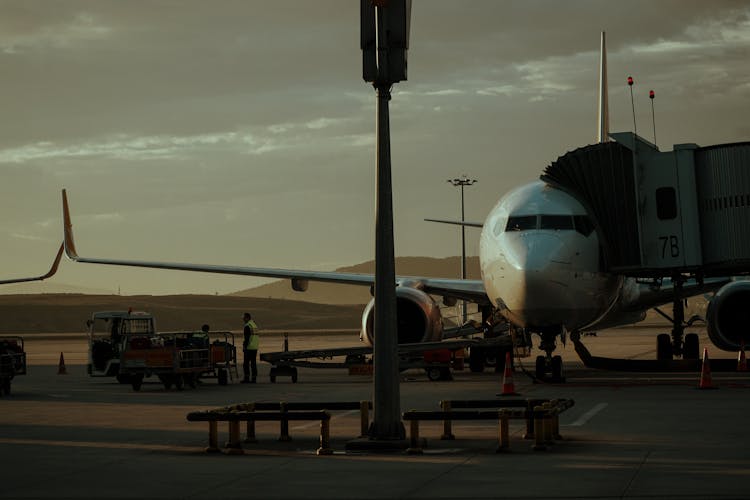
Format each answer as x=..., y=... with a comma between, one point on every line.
x=629, y=435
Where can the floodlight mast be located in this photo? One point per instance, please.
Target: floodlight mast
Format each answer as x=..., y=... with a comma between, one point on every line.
x=463, y=181
x=384, y=40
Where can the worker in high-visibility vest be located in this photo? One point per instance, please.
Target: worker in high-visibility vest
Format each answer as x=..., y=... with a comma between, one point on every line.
x=250, y=349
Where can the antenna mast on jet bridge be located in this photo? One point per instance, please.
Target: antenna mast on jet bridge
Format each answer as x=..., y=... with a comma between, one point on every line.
x=602, y=132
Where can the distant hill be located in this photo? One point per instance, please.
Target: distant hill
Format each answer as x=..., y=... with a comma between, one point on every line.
x=67, y=313
x=330, y=293
x=37, y=287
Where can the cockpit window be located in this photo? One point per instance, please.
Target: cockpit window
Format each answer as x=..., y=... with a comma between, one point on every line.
x=579, y=223
x=557, y=222
x=521, y=223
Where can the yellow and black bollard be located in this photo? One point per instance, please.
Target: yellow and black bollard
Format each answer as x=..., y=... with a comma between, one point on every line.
x=213, y=437
x=325, y=436
x=503, y=442
x=233, y=446
x=364, y=417
x=445, y=405
x=284, y=436
x=538, y=429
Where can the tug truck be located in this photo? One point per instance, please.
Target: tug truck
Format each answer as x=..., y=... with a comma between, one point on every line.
x=107, y=333
x=12, y=361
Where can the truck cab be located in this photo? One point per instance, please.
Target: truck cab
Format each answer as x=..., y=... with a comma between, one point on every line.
x=107, y=331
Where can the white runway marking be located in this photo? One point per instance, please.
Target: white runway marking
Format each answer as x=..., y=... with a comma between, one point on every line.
x=588, y=415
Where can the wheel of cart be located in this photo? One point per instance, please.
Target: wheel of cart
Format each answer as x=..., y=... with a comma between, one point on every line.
x=283, y=370
x=167, y=380
x=191, y=379
x=435, y=373
x=136, y=381
x=222, y=376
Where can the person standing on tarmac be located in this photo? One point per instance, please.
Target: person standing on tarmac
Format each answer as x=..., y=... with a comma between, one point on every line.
x=199, y=338
x=250, y=349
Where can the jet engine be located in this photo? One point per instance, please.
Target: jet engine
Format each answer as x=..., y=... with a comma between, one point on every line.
x=418, y=318
x=728, y=316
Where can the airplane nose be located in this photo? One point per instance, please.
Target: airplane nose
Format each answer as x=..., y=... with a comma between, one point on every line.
x=538, y=277
x=537, y=252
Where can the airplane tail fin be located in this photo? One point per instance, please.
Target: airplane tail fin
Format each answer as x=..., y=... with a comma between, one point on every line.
x=602, y=132
x=68, y=242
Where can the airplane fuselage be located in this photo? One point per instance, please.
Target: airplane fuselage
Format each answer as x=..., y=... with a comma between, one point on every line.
x=540, y=260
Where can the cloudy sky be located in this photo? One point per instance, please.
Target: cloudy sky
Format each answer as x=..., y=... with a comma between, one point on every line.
x=241, y=132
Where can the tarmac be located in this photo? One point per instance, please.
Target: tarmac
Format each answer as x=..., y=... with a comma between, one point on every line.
x=629, y=435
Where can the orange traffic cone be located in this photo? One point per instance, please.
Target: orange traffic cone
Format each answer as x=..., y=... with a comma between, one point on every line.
x=508, y=387
x=741, y=360
x=61, y=366
x=705, y=382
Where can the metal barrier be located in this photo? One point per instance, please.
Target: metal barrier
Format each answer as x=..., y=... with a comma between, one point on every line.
x=544, y=415
x=281, y=411
x=528, y=404
x=233, y=445
x=364, y=408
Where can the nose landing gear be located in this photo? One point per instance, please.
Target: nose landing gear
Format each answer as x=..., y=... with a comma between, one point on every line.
x=549, y=367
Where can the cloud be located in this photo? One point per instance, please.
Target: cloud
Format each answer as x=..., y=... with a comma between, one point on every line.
x=126, y=147
x=27, y=237
x=321, y=123
x=504, y=90
x=112, y=217
x=83, y=27
x=121, y=147
x=445, y=92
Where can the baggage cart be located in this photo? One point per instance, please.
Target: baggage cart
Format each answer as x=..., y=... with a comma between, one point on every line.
x=222, y=355
x=173, y=357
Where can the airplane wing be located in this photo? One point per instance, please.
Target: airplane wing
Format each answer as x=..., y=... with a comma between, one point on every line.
x=649, y=296
x=472, y=290
x=457, y=222
x=50, y=273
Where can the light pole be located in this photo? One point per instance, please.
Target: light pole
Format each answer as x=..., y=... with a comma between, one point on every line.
x=462, y=181
x=384, y=43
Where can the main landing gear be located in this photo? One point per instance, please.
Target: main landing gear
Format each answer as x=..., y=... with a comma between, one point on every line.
x=549, y=367
x=679, y=344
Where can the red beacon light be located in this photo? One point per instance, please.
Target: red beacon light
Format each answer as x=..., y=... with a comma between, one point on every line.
x=630, y=80
x=651, y=94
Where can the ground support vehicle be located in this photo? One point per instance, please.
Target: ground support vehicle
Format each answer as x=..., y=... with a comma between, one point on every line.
x=107, y=331
x=491, y=354
x=435, y=358
x=173, y=357
x=222, y=355
x=12, y=361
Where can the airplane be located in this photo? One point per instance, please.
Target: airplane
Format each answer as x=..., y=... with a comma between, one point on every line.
x=542, y=270
x=49, y=273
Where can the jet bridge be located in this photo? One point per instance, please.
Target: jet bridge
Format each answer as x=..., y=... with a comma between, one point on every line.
x=663, y=213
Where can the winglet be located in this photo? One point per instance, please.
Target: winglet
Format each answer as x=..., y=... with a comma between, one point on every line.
x=55, y=264
x=602, y=127
x=50, y=273
x=68, y=243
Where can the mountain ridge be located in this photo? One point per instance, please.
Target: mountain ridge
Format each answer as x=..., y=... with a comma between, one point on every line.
x=334, y=293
